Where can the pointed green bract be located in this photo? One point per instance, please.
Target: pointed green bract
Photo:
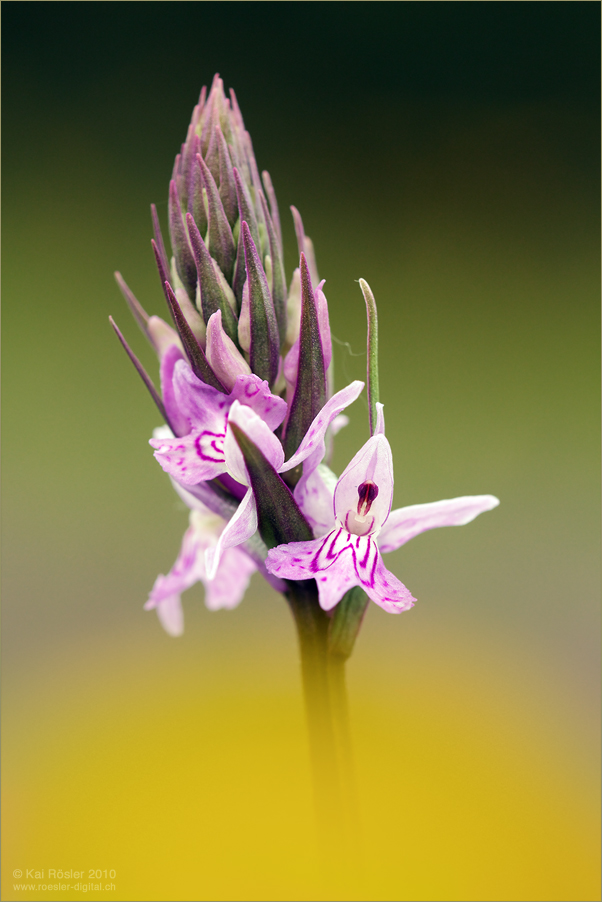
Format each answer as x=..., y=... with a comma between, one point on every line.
x=142, y=373
x=196, y=199
x=213, y=297
x=269, y=190
x=265, y=343
x=227, y=185
x=372, y=352
x=310, y=391
x=279, y=518
x=246, y=210
x=219, y=234
x=194, y=352
x=136, y=308
x=185, y=266
x=278, y=285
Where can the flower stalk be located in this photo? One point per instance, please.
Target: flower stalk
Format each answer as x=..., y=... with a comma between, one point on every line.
x=327, y=713
x=249, y=410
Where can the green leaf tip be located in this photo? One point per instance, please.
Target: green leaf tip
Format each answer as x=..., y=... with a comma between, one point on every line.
x=372, y=382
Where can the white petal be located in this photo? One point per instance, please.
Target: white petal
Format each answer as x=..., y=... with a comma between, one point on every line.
x=313, y=448
x=258, y=432
x=314, y=495
x=230, y=583
x=406, y=522
x=171, y=615
x=240, y=528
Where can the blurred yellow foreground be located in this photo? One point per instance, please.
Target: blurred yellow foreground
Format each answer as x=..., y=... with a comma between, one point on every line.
x=190, y=781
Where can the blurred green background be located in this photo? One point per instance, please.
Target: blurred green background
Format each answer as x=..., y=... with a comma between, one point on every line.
x=447, y=153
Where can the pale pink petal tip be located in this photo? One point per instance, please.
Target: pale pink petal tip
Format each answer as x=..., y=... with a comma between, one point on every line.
x=171, y=615
x=405, y=523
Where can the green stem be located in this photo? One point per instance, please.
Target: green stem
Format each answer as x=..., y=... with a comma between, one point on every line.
x=325, y=695
x=312, y=630
x=342, y=731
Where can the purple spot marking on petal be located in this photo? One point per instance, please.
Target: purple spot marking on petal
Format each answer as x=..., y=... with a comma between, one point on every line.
x=314, y=564
x=367, y=555
x=216, y=444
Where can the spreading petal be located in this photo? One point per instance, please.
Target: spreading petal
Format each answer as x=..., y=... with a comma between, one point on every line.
x=313, y=448
x=379, y=584
x=334, y=583
x=193, y=458
x=171, y=615
x=406, y=522
x=199, y=455
x=294, y=560
x=204, y=405
x=165, y=594
x=230, y=583
x=227, y=588
x=168, y=362
x=238, y=530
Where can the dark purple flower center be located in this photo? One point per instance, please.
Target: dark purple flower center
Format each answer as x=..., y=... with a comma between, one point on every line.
x=367, y=492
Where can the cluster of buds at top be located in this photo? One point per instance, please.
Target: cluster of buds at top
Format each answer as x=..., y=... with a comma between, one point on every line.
x=247, y=397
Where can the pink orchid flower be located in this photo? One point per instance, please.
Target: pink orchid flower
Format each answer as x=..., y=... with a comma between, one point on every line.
x=225, y=590
x=199, y=413
x=311, y=452
x=362, y=526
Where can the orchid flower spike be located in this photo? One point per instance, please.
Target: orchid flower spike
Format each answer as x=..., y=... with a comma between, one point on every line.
x=247, y=397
